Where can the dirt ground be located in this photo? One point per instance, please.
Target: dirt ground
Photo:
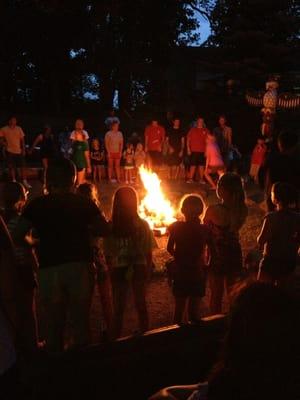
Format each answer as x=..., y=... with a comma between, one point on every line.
x=159, y=296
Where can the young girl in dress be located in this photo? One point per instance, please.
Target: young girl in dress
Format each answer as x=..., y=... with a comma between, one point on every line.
x=97, y=160
x=81, y=156
x=214, y=161
x=128, y=252
x=187, y=243
x=90, y=191
x=225, y=220
x=129, y=163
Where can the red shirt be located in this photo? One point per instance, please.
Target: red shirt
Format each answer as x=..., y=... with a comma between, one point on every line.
x=196, y=139
x=258, y=154
x=155, y=136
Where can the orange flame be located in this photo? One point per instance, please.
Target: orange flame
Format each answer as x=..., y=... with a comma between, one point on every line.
x=154, y=207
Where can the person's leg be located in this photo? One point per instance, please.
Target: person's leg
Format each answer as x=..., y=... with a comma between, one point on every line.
x=192, y=172
x=209, y=179
x=201, y=172
x=79, y=280
x=216, y=283
x=110, y=167
x=126, y=175
x=139, y=295
x=53, y=302
x=194, y=308
x=180, y=306
x=118, y=170
x=99, y=170
x=120, y=290
x=81, y=177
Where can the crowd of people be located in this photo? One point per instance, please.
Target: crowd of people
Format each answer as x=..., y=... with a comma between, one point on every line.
x=58, y=246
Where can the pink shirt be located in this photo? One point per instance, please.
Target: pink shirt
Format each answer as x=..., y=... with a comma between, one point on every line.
x=213, y=155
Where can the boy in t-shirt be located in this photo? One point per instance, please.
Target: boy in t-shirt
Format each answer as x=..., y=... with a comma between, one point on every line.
x=114, y=146
x=257, y=159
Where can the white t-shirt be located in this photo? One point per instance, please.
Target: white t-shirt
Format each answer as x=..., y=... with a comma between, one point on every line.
x=114, y=142
x=13, y=137
x=85, y=134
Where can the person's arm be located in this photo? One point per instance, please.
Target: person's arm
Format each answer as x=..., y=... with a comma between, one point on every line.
x=171, y=243
x=229, y=136
x=22, y=143
x=121, y=144
x=106, y=143
x=37, y=140
x=188, y=144
x=88, y=161
x=182, y=146
x=264, y=233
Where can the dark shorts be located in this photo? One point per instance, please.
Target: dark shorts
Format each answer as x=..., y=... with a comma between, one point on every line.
x=155, y=157
x=15, y=160
x=197, y=159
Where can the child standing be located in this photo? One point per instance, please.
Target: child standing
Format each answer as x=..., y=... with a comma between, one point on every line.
x=128, y=252
x=90, y=191
x=97, y=160
x=214, y=161
x=128, y=156
x=257, y=159
x=81, y=157
x=114, y=148
x=280, y=236
x=187, y=244
x=15, y=197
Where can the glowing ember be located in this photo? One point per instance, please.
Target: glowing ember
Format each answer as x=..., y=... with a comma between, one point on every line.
x=154, y=207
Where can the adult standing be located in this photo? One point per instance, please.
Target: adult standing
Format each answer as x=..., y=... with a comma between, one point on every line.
x=64, y=223
x=225, y=220
x=223, y=134
x=196, y=146
x=154, y=139
x=176, y=143
x=47, y=147
x=14, y=139
x=79, y=128
x=81, y=157
x=114, y=147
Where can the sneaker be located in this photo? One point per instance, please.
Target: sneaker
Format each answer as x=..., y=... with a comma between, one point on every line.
x=26, y=184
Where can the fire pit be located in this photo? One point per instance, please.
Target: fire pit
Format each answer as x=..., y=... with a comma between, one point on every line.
x=155, y=208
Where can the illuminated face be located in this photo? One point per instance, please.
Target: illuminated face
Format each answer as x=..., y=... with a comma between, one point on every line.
x=96, y=144
x=139, y=147
x=12, y=122
x=115, y=127
x=79, y=124
x=200, y=123
x=222, y=121
x=154, y=123
x=176, y=123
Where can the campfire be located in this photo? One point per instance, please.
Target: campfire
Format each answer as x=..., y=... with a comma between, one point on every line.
x=155, y=208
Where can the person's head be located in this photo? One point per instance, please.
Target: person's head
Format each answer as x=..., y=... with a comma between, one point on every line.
x=139, y=147
x=200, y=122
x=112, y=112
x=222, y=120
x=192, y=206
x=176, y=123
x=14, y=196
x=129, y=146
x=95, y=145
x=60, y=175
x=154, y=122
x=210, y=137
x=283, y=195
x=287, y=141
x=79, y=124
x=124, y=211
x=90, y=191
x=115, y=126
x=231, y=192
x=12, y=122
x=260, y=356
x=47, y=130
